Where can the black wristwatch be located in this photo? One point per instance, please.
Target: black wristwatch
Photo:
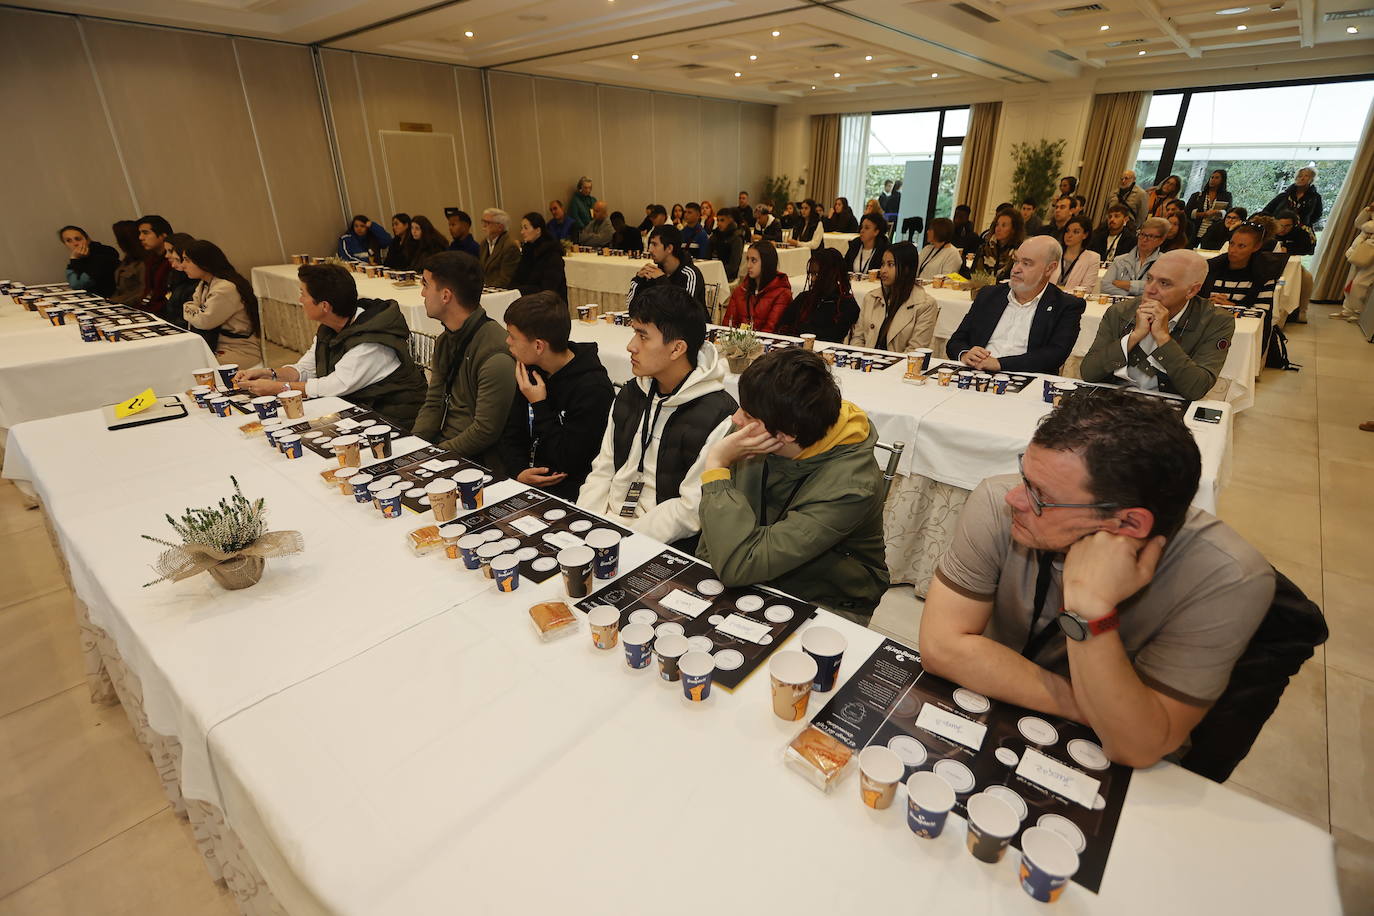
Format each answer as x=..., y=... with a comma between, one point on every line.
x=1080, y=630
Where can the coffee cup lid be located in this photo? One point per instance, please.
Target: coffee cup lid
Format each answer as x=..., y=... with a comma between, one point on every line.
x=575, y=556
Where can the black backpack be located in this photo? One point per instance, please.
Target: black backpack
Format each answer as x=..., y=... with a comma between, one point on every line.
x=1285, y=639
x=1276, y=356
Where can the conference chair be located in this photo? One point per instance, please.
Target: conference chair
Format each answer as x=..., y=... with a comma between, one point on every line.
x=912, y=226
x=894, y=458
x=1286, y=638
x=422, y=349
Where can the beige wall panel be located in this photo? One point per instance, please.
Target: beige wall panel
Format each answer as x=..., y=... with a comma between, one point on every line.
x=180, y=118
x=569, y=141
x=285, y=102
x=419, y=175
x=517, y=147
x=677, y=160
x=719, y=152
x=755, y=147
x=397, y=91
x=475, y=143
x=628, y=144
x=62, y=167
x=361, y=182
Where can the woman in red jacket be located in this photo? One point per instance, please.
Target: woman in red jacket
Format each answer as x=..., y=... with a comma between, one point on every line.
x=764, y=294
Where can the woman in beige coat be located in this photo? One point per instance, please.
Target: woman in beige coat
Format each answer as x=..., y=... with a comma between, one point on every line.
x=899, y=315
x=1360, y=254
x=223, y=308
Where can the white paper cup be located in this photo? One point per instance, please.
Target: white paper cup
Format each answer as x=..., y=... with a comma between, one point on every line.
x=879, y=772
x=791, y=674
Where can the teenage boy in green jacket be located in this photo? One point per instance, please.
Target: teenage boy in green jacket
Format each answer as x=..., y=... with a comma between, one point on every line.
x=794, y=498
x=472, y=381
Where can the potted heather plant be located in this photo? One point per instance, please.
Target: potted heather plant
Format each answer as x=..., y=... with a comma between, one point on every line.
x=979, y=279
x=740, y=347
x=230, y=541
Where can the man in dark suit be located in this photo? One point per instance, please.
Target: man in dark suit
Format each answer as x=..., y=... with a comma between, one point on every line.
x=1029, y=325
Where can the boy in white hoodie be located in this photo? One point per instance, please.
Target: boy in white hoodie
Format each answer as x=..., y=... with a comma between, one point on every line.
x=648, y=471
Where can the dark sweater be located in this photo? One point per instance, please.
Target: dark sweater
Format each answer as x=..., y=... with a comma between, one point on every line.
x=95, y=271
x=562, y=432
x=829, y=318
x=541, y=269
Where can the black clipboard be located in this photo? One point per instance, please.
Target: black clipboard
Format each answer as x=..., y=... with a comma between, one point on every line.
x=170, y=408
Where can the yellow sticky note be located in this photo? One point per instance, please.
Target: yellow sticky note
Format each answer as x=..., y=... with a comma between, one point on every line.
x=141, y=401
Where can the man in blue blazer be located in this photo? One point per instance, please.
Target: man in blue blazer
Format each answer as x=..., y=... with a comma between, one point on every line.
x=1029, y=325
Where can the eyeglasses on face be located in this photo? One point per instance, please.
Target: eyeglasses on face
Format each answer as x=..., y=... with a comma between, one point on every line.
x=1038, y=505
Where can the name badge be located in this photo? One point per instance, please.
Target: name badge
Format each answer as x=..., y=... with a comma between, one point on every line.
x=627, y=508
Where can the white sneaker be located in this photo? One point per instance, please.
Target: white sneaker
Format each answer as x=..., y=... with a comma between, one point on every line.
x=1343, y=314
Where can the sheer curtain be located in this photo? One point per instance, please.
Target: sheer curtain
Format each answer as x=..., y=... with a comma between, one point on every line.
x=854, y=130
x=825, y=158
x=1330, y=266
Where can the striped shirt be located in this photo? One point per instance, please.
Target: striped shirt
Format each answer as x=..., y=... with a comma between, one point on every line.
x=1238, y=284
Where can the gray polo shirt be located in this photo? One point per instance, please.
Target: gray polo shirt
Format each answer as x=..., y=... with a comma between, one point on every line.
x=1182, y=632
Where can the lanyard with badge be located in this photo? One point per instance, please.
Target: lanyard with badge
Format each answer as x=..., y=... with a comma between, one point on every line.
x=646, y=435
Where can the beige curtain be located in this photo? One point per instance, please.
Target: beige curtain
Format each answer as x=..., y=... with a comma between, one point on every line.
x=976, y=158
x=1332, y=270
x=1113, y=136
x=825, y=158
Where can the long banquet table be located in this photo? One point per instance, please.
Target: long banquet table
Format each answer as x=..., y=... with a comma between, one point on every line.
x=48, y=370
x=1235, y=384
x=604, y=280
x=369, y=732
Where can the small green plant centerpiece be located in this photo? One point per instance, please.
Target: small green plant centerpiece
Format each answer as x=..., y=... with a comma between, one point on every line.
x=230, y=541
x=979, y=279
x=740, y=347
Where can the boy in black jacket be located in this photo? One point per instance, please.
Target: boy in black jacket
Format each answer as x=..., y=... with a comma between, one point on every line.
x=559, y=413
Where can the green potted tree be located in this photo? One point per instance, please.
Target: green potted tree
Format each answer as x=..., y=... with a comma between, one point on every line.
x=1037, y=171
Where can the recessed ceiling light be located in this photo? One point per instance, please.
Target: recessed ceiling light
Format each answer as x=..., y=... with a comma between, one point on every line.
x=813, y=87
x=737, y=73
x=634, y=57
x=868, y=57
x=753, y=57
x=1103, y=28
x=1241, y=28
x=837, y=76
x=776, y=33
x=934, y=75
x=468, y=33
x=1352, y=30
x=1140, y=54
x=1234, y=10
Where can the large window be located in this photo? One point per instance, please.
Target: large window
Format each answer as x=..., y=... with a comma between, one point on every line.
x=927, y=143
x=1261, y=135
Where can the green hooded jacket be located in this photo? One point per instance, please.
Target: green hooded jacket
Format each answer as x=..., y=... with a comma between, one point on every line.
x=811, y=526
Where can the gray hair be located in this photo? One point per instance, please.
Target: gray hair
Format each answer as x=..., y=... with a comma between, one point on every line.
x=583, y=180
x=1193, y=265
x=497, y=216
x=1157, y=223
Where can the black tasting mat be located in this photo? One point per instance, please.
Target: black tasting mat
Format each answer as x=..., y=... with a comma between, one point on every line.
x=147, y=332
x=420, y=467
x=349, y=421
x=1017, y=384
x=846, y=358
x=646, y=586
x=522, y=517
x=1177, y=403
x=880, y=702
x=715, y=332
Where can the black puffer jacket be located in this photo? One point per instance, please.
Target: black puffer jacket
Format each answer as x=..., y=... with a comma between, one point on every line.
x=541, y=268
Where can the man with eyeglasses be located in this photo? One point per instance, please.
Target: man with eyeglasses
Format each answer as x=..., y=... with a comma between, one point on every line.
x=1125, y=276
x=1088, y=588
x=1132, y=196
x=1170, y=339
x=500, y=254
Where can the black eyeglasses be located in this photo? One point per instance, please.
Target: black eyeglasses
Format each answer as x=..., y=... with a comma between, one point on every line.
x=1038, y=505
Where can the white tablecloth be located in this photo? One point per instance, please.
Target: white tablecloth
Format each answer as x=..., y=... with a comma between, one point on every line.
x=605, y=274
x=1236, y=384
x=203, y=653
x=278, y=282
x=464, y=766
x=47, y=371
x=792, y=261
x=839, y=240
x=955, y=437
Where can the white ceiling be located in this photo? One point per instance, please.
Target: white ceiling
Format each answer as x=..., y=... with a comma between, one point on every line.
x=843, y=50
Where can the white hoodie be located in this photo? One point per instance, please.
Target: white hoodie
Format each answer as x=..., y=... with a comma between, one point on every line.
x=606, y=485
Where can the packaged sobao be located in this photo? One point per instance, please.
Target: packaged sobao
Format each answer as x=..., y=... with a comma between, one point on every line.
x=552, y=620
x=819, y=757
x=425, y=540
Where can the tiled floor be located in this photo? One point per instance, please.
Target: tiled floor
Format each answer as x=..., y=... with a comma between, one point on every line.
x=84, y=827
